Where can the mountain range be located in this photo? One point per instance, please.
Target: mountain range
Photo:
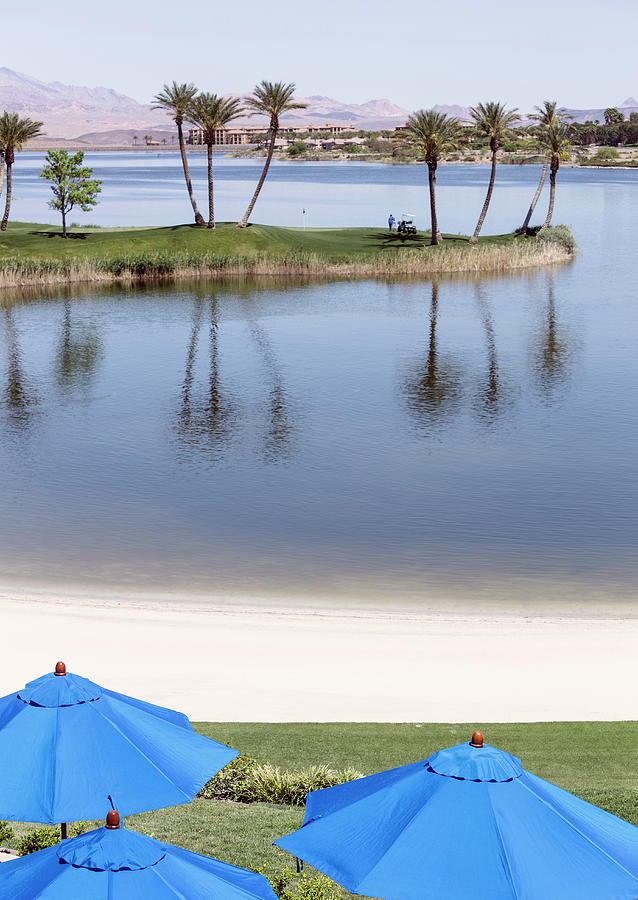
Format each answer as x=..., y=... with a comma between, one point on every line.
x=91, y=114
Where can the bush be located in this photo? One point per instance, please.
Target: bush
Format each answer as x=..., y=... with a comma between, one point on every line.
x=289, y=886
x=246, y=781
x=232, y=782
x=39, y=838
x=298, y=148
x=605, y=153
x=558, y=234
x=6, y=833
x=270, y=785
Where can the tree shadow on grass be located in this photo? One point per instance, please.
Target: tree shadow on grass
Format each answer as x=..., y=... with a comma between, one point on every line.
x=75, y=236
x=384, y=240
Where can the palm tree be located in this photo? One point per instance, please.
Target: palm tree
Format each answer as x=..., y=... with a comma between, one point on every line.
x=555, y=141
x=546, y=115
x=210, y=112
x=14, y=133
x=434, y=135
x=272, y=100
x=176, y=99
x=493, y=121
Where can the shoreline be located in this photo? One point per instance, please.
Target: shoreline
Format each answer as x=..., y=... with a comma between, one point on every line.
x=338, y=664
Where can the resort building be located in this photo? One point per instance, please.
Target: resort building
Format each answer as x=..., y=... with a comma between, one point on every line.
x=250, y=134
x=222, y=136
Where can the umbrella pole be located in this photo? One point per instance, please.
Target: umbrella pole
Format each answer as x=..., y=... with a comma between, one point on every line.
x=63, y=831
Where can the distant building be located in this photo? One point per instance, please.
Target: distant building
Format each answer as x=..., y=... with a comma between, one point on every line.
x=247, y=133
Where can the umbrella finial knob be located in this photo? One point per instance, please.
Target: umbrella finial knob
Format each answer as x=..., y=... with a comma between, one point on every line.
x=477, y=739
x=112, y=819
x=60, y=668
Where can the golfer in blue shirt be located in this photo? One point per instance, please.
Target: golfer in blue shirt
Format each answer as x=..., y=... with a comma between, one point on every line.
x=390, y=222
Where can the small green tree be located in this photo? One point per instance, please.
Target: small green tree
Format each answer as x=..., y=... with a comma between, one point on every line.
x=72, y=183
x=299, y=148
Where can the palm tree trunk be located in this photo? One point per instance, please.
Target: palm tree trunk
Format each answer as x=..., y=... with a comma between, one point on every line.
x=1, y=172
x=260, y=183
x=7, y=205
x=479, y=224
x=211, y=202
x=530, y=211
x=436, y=235
x=552, y=195
x=199, y=219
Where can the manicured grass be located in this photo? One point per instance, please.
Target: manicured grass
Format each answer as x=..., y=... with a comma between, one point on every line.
x=596, y=760
x=29, y=240
x=574, y=755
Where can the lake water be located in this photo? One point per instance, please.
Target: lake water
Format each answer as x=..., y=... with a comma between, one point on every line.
x=367, y=442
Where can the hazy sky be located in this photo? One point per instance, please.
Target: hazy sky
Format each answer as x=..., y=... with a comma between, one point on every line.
x=415, y=52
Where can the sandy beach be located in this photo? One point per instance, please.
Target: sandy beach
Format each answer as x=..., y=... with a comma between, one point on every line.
x=226, y=662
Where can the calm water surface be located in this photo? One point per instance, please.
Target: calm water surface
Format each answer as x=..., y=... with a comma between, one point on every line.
x=396, y=443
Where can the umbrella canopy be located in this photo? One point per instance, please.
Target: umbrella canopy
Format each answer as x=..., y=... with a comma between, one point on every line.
x=113, y=863
x=466, y=822
x=66, y=744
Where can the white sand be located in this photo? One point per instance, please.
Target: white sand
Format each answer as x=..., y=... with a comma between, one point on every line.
x=253, y=664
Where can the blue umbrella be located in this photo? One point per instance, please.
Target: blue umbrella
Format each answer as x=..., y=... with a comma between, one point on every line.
x=66, y=744
x=113, y=863
x=466, y=822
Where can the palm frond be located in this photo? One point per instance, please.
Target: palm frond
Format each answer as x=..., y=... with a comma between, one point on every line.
x=210, y=112
x=273, y=99
x=433, y=133
x=176, y=99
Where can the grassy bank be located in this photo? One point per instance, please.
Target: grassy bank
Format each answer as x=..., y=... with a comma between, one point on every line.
x=595, y=760
x=37, y=254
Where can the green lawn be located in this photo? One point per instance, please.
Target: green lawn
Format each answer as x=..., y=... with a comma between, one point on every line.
x=30, y=240
x=596, y=760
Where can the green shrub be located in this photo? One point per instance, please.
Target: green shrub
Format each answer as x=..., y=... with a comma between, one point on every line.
x=6, y=833
x=231, y=782
x=246, y=781
x=289, y=886
x=605, y=153
x=38, y=838
x=270, y=784
x=558, y=234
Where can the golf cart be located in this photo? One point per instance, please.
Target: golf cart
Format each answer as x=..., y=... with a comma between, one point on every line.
x=406, y=225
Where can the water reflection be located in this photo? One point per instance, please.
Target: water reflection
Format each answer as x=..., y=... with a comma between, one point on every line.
x=19, y=397
x=281, y=436
x=433, y=392
x=279, y=430
x=207, y=419
x=551, y=356
x=489, y=402
x=79, y=352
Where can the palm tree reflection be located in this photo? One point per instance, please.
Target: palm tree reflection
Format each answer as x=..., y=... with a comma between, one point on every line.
x=490, y=399
x=206, y=420
x=552, y=356
x=78, y=354
x=280, y=427
x=433, y=392
x=19, y=400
